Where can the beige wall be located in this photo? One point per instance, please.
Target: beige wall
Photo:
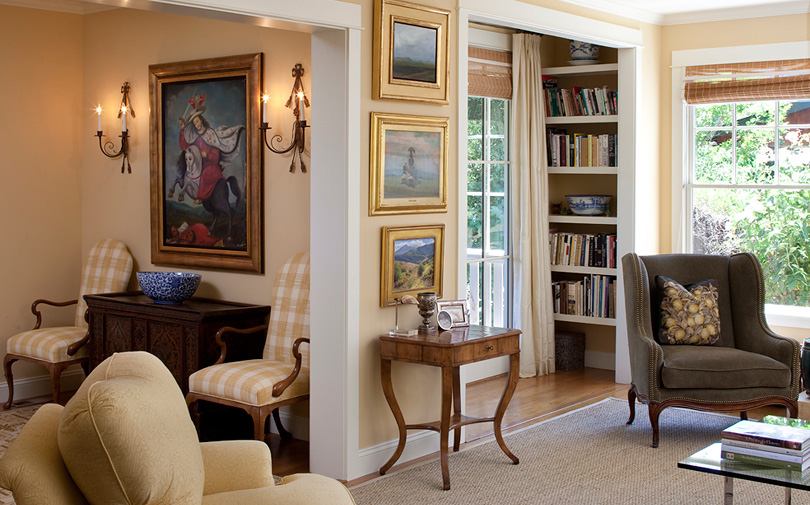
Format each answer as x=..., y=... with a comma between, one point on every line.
x=41, y=104
x=744, y=32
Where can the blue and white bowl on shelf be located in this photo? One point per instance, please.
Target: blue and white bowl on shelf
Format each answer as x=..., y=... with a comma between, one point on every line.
x=583, y=52
x=588, y=205
x=168, y=287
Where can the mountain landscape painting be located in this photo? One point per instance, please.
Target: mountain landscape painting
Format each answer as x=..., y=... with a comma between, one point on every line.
x=414, y=52
x=414, y=264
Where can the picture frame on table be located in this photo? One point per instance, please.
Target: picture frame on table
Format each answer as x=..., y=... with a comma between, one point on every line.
x=206, y=163
x=457, y=310
x=410, y=52
x=408, y=164
x=412, y=261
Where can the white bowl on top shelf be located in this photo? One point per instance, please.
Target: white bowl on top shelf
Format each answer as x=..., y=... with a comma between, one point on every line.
x=588, y=205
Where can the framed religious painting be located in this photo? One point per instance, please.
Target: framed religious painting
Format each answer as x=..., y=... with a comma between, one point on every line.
x=408, y=161
x=410, y=52
x=207, y=163
x=412, y=261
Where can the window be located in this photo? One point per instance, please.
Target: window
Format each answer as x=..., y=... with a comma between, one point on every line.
x=488, y=175
x=748, y=189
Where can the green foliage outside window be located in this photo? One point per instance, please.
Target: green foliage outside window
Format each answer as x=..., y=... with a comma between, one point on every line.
x=773, y=224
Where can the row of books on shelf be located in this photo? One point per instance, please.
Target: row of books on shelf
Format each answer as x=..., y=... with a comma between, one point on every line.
x=580, y=149
x=778, y=442
x=579, y=101
x=583, y=249
x=592, y=296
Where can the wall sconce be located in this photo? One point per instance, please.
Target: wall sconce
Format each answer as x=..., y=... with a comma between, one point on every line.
x=122, y=114
x=299, y=100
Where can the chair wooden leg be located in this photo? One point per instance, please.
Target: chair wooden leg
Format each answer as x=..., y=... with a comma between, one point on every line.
x=284, y=434
x=9, y=380
x=655, y=411
x=744, y=415
x=56, y=380
x=259, y=422
x=631, y=401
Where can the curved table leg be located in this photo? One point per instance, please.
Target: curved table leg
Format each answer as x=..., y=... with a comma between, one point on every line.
x=444, y=430
x=388, y=390
x=511, y=384
x=456, y=406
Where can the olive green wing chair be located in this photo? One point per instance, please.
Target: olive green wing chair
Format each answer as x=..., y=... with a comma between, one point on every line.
x=126, y=437
x=675, y=302
x=106, y=269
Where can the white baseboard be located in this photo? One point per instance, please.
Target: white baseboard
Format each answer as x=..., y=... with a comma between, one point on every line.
x=598, y=359
x=34, y=387
x=418, y=444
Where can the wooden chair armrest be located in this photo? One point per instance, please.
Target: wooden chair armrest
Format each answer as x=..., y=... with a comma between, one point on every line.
x=279, y=388
x=240, y=350
x=75, y=346
x=47, y=302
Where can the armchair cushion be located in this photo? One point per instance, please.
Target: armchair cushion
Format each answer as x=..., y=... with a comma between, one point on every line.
x=236, y=464
x=49, y=344
x=33, y=467
x=693, y=367
x=689, y=315
x=250, y=381
x=126, y=435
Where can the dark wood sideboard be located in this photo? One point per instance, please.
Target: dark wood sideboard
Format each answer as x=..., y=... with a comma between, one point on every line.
x=183, y=336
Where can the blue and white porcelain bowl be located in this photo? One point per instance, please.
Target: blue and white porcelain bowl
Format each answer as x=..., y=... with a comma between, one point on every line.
x=168, y=287
x=588, y=205
x=583, y=51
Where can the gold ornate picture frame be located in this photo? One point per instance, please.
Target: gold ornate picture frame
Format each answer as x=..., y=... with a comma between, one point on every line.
x=411, y=52
x=207, y=163
x=408, y=158
x=412, y=261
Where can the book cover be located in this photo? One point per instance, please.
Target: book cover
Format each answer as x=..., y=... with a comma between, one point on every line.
x=764, y=461
x=768, y=434
x=765, y=448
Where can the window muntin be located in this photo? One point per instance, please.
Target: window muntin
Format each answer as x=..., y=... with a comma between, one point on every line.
x=749, y=189
x=488, y=172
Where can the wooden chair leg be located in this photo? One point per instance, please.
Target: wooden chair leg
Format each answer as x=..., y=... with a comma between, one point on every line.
x=9, y=380
x=655, y=411
x=56, y=381
x=259, y=422
x=744, y=415
x=284, y=434
x=631, y=401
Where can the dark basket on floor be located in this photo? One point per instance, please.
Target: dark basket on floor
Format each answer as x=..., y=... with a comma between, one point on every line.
x=569, y=350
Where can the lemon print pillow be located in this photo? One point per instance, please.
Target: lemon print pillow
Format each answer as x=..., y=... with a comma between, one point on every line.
x=689, y=315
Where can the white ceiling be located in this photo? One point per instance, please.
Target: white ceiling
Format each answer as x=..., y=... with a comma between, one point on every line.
x=672, y=12
x=660, y=12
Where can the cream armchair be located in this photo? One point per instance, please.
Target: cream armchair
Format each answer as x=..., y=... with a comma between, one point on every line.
x=126, y=437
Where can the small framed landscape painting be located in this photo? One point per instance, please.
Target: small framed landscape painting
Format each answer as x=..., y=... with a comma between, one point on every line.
x=410, y=52
x=412, y=259
x=408, y=164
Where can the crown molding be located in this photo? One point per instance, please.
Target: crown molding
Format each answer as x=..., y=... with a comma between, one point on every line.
x=751, y=11
x=787, y=8
x=69, y=6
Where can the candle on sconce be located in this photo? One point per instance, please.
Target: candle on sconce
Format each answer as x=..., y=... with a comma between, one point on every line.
x=98, y=111
x=124, y=116
x=301, y=115
x=265, y=99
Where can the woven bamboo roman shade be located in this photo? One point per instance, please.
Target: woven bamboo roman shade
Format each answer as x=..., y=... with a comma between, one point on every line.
x=740, y=82
x=489, y=73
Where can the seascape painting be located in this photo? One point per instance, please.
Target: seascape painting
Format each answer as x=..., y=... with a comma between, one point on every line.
x=414, y=53
x=413, y=164
x=414, y=264
x=205, y=163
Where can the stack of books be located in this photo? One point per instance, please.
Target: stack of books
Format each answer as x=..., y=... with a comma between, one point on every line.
x=583, y=249
x=775, y=442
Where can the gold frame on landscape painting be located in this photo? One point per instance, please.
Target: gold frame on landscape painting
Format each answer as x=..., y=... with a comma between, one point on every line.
x=410, y=52
x=408, y=164
x=397, y=237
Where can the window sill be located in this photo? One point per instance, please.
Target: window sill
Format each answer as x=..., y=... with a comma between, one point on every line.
x=787, y=316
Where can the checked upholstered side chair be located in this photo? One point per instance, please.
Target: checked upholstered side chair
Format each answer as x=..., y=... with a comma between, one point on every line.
x=107, y=269
x=281, y=376
x=698, y=337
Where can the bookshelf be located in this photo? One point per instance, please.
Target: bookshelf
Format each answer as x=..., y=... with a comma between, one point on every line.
x=615, y=180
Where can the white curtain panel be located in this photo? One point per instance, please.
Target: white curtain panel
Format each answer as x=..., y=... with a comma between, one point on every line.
x=533, y=308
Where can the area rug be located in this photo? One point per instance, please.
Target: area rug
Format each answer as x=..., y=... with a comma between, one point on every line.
x=586, y=456
x=11, y=422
